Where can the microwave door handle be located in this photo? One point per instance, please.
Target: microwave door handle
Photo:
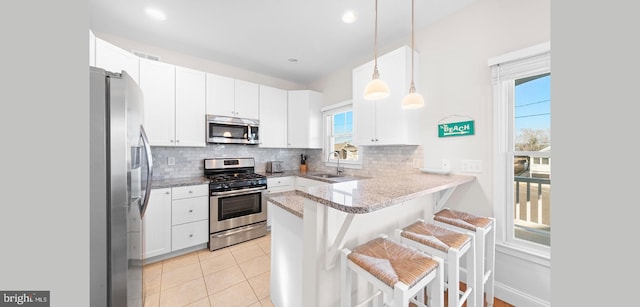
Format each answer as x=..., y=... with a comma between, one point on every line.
x=147, y=149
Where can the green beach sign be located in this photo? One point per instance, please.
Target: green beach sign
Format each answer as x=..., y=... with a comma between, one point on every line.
x=456, y=129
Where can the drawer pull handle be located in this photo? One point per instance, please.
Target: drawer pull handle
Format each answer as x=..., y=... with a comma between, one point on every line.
x=191, y=210
x=191, y=236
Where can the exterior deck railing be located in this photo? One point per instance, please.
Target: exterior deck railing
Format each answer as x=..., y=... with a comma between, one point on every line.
x=532, y=203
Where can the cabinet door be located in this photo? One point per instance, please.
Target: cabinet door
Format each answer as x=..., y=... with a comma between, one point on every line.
x=156, y=223
x=157, y=81
x=390, y=122
x=364, y=111
x=297, y=120
x=190, y=107
x=190, y=234
x=247, y=98
x=304, y=119
x=115, y=59
x=220, y=95
x=273, y=117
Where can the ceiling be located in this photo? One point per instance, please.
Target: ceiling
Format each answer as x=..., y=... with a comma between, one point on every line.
x=261, y=36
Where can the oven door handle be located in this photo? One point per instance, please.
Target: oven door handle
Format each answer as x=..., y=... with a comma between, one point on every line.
x=241, y=229
x=237, y=192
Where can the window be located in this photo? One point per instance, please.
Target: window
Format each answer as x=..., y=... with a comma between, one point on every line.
x=522, y=133
x=339, y=136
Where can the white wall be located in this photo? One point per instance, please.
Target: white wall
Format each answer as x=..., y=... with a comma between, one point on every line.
x=184, y=60
x=455, y=80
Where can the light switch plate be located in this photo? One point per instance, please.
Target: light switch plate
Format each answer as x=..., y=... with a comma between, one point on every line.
x=472, y=166
x=171, y=161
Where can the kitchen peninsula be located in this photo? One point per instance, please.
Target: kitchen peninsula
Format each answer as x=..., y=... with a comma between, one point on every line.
x=309, y=228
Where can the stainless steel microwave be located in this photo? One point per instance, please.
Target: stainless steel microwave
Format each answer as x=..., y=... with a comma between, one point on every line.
x=232, y=130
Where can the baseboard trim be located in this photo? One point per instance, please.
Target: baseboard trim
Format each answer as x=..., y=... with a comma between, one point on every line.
x=518, y=298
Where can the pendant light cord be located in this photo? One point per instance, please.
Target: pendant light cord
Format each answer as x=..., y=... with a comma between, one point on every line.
x=375, y=38
x=412, y=50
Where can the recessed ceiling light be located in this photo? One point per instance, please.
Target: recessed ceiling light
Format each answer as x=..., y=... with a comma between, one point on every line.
x=155, y=13
x=349, y=17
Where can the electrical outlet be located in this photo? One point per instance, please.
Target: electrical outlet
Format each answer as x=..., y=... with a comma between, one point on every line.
x=171, y=161
x=446, y=165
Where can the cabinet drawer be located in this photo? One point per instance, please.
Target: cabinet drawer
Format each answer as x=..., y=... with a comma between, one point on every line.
x=190, y=191
x=278, y=182
x=189, y=210
x=190, y=234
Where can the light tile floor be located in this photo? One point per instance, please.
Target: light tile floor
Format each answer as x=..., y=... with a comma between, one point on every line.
x=236, y=276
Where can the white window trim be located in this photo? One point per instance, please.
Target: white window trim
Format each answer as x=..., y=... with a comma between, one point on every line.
x=346, y=105
x=505, y=69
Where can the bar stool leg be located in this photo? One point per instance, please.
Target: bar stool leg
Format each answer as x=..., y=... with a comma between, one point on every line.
x=480, y=264
x=346, y=280
x=435, y=288
x=491, y=264
x=470, y=262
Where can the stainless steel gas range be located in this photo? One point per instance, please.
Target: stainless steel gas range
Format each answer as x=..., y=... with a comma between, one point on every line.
x=237, y=203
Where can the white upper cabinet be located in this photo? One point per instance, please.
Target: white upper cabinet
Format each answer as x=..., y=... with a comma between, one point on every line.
x=247, y=99
x=115, y=59
x=92, y=49
x=384, y=122
x=273, y=117
x=304, y=119
x=190, y=111
x=174, y=99
x=230, y=97
x=220, y=95
x=158, y=84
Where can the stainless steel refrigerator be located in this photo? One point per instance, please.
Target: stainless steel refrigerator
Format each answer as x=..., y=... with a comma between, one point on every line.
x=121, y=172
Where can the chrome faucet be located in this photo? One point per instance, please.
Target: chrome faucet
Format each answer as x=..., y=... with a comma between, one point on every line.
x=338, y=169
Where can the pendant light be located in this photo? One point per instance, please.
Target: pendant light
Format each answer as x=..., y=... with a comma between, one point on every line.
x=413, y=100
x=376, y=88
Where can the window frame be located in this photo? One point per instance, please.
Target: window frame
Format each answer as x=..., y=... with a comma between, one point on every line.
x=505, y=70
x=327, y=119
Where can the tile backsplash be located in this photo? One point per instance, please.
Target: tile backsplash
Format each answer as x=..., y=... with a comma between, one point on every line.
x=387, y=160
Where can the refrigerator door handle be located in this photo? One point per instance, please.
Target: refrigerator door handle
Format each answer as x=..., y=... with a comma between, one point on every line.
x=147, y=149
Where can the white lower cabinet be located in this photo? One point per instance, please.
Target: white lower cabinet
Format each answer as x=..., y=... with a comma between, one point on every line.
x=302, y=184
x=189, y=216
x=156, y=223
x=176, y=218
x=276, y=185
x=280, y=184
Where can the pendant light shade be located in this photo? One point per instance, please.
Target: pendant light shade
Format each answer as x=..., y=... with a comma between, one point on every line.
x=376, y=88
x=413, y=100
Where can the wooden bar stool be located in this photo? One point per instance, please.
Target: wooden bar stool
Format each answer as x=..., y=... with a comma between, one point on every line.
x=398, y=272
x=451, y=246
x=485, y=238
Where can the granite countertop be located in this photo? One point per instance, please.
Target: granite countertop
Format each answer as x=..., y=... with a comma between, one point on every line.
x=368, y=195
x=292, y=201
x=310, y=175
x=178, y=182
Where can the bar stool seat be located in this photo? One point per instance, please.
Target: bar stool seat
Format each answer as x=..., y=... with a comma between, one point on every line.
x=399, y=273
x=450, y=245
x=484, y=238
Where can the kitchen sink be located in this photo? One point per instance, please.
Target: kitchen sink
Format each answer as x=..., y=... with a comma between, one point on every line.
x=326, y=175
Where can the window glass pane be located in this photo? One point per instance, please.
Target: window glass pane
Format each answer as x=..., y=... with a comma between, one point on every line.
x=532, y=111
x=342, y=136
x=339, y=123
x=532, y=172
